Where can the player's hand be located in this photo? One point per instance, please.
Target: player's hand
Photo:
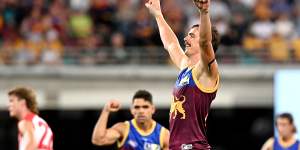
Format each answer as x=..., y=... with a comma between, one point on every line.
x=203, y=5
x=154, y=7
x=112, y=106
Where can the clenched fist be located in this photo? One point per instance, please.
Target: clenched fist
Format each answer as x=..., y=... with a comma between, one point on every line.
x=203, y=5
x=154, y=7
x=112, y=106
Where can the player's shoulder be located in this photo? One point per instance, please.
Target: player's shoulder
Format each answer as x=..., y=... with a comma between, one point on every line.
x=271, y=139
x=24, y=125
x=268, y=145
x=165, y=131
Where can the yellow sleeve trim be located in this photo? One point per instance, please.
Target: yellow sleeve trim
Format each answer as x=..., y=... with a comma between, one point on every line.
x=162, y=136
x=142, y=132
x=121, y=143
x=201, y=87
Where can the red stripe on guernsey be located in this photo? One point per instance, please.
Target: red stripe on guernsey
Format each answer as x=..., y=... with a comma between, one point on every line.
x=42, y=142
x=44, y=135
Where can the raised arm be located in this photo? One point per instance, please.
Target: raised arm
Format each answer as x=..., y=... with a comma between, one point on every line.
x=207, y=64
x=205, y=30
x=206, y=70
x=167, y=36
x=102, y=135
x=27, y=130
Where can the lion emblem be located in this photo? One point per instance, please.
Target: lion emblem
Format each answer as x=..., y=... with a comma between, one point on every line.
x=177, y=107
x=184, y=81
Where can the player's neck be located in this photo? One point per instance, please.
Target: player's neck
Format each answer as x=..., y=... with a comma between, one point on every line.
x=287, y=140
x=193, y=60
x=146, y=125
x=24, y=112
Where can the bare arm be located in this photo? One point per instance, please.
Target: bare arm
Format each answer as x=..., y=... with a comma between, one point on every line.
x=166, y=137
x=27, y=130
x=208, y=75
x=268, y=145
x=205, y=42
x=102, y=135
x=167, y=36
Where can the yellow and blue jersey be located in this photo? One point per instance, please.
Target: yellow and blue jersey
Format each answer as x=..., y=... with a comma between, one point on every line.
x=137, y=139
x=278, y=146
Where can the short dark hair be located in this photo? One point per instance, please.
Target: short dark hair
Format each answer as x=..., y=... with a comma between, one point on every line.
x=28, y=95
x=287, y=116
x=146, y=95
x=215, y=37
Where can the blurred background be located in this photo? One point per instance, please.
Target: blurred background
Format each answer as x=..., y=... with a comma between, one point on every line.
x=78, y=54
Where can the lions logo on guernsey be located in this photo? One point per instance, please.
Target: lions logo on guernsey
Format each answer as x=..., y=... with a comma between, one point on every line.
x=177, y=107
x=184, y=81
x=136, y=139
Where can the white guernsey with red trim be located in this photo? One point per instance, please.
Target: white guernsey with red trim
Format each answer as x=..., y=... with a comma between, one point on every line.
x=42, y=133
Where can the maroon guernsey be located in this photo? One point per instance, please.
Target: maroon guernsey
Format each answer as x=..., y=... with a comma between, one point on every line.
x=188, y=113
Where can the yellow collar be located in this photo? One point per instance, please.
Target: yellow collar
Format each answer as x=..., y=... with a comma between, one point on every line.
x=141, y=131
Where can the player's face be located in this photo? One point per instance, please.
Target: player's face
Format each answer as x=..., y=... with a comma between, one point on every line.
x=14, y=105
x=285, y=128
x=142, y=110
x=191, y=42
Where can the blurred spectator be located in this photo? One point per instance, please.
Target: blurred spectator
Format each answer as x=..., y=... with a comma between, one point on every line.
x=263, y=10
x=119, y=54
x=80, y=5
x=280, y=7
x=81, y=24
x=52, y=50
x=10, y=13
x=142, y=28
x=32, y=27
x=175, y=16
x=102, y=12
x=284, y=26
x=278, y=48
x=297, y=17
x=237, y=28
x=23, y=55
x=6, y=53
x=296, y=48
x=58, y=14
x=262, y=29
x=251, y=43
x=219, y=9
x=124, y=16
x=249, y=3
x=1, y=27
x=222, y=26
x=89, y=53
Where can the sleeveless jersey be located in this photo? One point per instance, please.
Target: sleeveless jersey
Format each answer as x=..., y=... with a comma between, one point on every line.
x=136, y=139
x=277, y=146
x=188, y=113
x=42, y=133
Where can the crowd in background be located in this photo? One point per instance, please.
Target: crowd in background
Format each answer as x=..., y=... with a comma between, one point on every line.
x=101, y=31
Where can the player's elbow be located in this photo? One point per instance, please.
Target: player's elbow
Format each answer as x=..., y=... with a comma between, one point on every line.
x=98, y=141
